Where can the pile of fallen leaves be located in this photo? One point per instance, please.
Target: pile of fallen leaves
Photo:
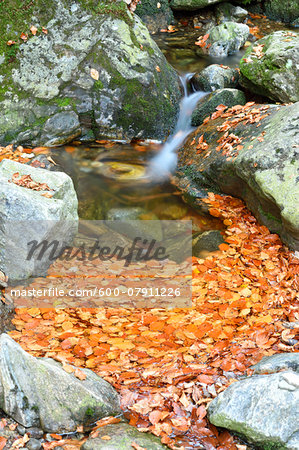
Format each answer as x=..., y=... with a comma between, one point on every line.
x=19, y=154
x=202, y=41
x=229, y=144
x=26, y=181
x=169, y=364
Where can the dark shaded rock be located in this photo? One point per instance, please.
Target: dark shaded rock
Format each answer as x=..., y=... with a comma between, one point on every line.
x=286, y=11
x=226, y=12
x=34, y=444
x=215, y=77
x=191, y=5
x=129, y=222
x=61, y=128
x=122, y=436
x=275, y=73
x=263, y=409
x=264, y=171
x=35, y=433
x=208, y=241
x=38, y=392
x=207, y=105
x=275, y=363
x=155, y=14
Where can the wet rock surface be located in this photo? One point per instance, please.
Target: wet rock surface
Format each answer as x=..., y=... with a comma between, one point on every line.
x=191, y=5
x=226, y=12
x=206, y=242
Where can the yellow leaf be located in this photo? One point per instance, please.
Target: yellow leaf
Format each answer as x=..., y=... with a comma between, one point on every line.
x=33, y=30
x=94, y=74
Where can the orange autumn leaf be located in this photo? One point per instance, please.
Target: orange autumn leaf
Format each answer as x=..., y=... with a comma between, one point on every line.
x=79, y=374
x=3, y=441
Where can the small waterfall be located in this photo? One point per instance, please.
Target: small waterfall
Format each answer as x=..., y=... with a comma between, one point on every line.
x=165, y=162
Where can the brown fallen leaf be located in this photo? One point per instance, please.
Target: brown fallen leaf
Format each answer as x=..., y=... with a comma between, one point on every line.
x=137, y=446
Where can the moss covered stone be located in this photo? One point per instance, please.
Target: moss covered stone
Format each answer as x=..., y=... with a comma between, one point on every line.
x=275, y=73
x=96, y=59
x=156, y=15
x=287, y=11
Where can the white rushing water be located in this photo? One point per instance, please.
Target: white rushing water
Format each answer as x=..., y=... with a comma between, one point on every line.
x=166, y=160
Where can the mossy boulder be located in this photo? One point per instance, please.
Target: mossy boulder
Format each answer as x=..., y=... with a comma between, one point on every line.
x=191, y=5
x=286, y=11
x=225, y=39
x=258, y=164
x=155, y=14
x=122, y=436
x=208, y=104
x=94, y=60
x=270, y=67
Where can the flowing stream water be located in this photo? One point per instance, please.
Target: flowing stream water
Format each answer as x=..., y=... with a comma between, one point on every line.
x=166, y=160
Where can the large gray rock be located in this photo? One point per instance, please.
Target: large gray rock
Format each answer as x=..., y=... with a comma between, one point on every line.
x=96, y=73
x=122, y=437
x=226, y=39
x=38, y=392
x=191, y=5
x=215, y=77
x=261, y=166
x=264, y=409
x=270, y=67
x=207, y=105
x=275, y=363
x=27, y=215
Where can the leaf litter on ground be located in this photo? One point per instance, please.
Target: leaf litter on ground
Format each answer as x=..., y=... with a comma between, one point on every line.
x=168, y=365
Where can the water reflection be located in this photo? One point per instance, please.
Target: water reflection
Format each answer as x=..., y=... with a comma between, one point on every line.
x=110, y=180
